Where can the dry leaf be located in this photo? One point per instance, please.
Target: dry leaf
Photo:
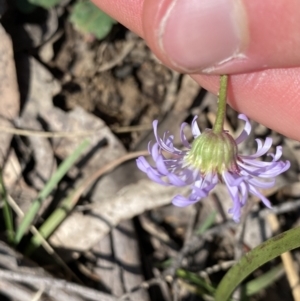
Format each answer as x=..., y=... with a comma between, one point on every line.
x=81, y=232
x=9, y=104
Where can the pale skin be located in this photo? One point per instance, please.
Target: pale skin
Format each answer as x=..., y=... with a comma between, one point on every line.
x=256, y=42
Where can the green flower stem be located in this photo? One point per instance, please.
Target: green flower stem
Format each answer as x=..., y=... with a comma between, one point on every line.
x=218, y=126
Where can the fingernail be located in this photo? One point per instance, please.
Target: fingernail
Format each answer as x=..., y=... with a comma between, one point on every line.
x=199, y=35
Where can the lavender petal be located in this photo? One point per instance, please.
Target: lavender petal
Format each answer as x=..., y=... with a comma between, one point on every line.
x=231, y=180
x=246, y=131
x=195, y=129
x=182, y=136
x=255, y=192
x=176, y=181
x=152, y=174
x=161, y=167
x=143, y=164
x=181, y=201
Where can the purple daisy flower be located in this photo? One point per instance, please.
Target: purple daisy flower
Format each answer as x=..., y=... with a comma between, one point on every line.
x=212, y=158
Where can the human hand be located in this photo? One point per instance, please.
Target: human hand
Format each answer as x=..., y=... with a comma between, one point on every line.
x=257, y=42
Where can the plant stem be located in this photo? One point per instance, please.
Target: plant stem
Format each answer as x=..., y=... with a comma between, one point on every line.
x=218, y=126
x=7, y=212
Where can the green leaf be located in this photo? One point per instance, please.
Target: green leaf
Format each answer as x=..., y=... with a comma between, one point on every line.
x=265, y=280
x=265, y=252
x=88, y=18
x=7, y=213
x=50, y=185
x=47, y=4
x=195, y=279
x=52, y=222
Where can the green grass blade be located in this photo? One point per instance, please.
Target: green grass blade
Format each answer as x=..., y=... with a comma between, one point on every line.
x=252, y=287
x=52, y=222
x=202, y=286
x=263, y=281
x=195, y=279
x=63, y=168
x=47, y=4
x=7, y=212
x=208, y=222
x=260, y=255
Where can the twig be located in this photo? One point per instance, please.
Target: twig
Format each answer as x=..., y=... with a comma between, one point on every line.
x=23, y=132
x=133, y=128
x=279, y=209
x=98, y=173
x=15, y=292
x=38, y=294
x=163, y=285
x=50, y=283
x=160, y=234
x=287, y=259
x=168, y=275
x=119, y=58
x=186, y=246
x=45, y=244
x=175, y=290
x=71, y=200
x=195, y=240
x=217, y=267
x=146, y=285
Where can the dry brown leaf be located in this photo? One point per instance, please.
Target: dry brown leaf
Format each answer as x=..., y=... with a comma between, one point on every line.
x=104, y=146
x=45, y=163
x=81, y=232
x=9, y=104
x=42, y=86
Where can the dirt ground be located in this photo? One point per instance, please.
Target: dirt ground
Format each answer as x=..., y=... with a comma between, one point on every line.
x=121, y=238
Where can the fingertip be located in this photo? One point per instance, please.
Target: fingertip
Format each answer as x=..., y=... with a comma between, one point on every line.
x=153, y=14
x=223, y=36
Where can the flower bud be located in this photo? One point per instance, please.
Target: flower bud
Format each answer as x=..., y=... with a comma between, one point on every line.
x=213, y=153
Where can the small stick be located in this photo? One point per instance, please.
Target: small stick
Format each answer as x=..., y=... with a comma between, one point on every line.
x=23, y=132
x=50, y=283
x=288, y=263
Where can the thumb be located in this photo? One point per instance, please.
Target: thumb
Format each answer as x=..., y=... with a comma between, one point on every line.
x=223, y=36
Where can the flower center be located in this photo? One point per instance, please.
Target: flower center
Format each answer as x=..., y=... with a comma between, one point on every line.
x=213, y=152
